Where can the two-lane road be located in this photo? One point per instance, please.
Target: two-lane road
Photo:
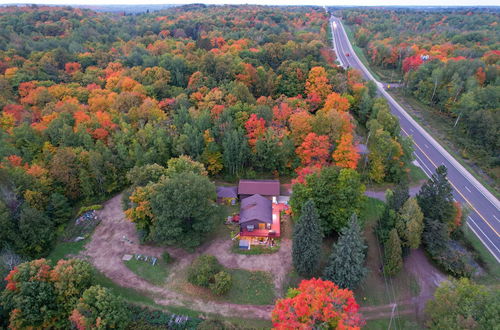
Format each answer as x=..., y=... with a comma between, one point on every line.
x=484, y=216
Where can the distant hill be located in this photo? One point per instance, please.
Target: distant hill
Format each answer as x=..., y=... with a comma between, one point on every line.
x=129, y=9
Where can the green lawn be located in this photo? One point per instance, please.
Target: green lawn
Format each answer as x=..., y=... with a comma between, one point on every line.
x=154, y=274
x=254, y=288
x=402, y=322
x=63, y=249
x=128, y=294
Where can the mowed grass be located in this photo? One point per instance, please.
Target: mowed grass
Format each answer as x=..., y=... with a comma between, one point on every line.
x=64, y=249
x=402, y=322
x=153, y=274
x=248, y=287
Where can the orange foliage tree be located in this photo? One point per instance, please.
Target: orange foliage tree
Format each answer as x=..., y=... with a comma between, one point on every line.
x=346, y=155
x=317, y=304
x=317, y=83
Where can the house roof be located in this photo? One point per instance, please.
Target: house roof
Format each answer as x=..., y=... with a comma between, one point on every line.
x=227, y=192
x=256, y=207
x=261, y=187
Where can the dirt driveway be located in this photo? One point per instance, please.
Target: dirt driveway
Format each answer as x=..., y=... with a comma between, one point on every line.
x=116, y=236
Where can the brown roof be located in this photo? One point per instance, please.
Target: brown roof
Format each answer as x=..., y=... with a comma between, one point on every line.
x=257, y=208
x=261, y=187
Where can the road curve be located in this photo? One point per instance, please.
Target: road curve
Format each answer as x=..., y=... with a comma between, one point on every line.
x=484, y=215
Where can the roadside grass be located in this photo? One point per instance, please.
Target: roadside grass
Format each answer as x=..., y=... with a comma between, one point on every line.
x=488, y=261
x=416, y=174
x=441, y=129
x=156, y=274
x=359, y=51
x=64, y=249
x=248, y=287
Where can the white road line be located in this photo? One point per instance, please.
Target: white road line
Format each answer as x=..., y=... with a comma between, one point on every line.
x=494, y=216
x=411, y=130
x=425, y=144
x=478, y=236
x=496, y=248
x=424, y=165
x=467, y=189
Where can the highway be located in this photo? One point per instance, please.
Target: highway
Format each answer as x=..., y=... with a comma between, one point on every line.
x=484, y=215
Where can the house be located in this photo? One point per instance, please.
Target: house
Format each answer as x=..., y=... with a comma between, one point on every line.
x=269, y=189
x=256, y=212
x=259, y=219
x=227, y=195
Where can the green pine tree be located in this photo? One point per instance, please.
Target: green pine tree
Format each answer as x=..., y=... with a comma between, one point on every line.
x=435, y=197
x=346, y=266
x=307, y=238
x=393, y=259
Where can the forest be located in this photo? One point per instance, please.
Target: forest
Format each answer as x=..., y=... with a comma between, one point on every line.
x=138, y=90
x=449, y=60
x=162, y=106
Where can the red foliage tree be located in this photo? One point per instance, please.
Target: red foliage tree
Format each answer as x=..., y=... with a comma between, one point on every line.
x=317, y=304
x=72, y=67
x=256, y=128
x=314, y=150
x=412, y=63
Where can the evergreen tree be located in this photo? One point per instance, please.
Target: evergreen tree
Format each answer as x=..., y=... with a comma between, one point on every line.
x=400, y=196
x=346, y=266
x=393, y=254
x=435, y=197
x=307, y=237
x=410, y=224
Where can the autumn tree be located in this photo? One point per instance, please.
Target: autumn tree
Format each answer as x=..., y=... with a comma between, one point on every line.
x=346, y=266
x=98, y=308
x=307, y=238
x=317, y=84
x=463, y=304
x=38, y=295
x=346, y=154
x=314, y=150
x=317, y=303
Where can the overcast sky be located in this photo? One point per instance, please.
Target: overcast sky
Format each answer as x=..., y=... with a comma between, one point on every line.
x=273, y=2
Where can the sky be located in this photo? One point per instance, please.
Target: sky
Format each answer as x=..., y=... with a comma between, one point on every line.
x=273, y=2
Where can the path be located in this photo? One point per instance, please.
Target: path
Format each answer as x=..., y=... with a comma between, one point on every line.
x=380, y=194
x=107, y=247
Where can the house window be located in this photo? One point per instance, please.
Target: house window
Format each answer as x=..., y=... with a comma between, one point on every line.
x=268, y=226
x=262, y=226
x=250, y=227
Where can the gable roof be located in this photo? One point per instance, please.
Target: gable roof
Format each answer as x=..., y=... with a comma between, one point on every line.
x=227, y=192
x=261, y=187
x=256, y=207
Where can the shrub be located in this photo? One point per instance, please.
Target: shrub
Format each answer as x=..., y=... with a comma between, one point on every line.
x=222, y=283
x=84, y=209
x=203, y=269
x=167, y=258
